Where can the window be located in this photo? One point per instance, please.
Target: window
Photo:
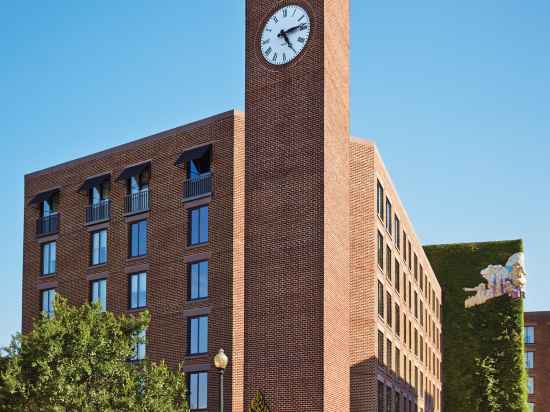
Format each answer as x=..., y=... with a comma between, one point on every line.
x=98, y=293
x=397, y=361
x=389, y=393
x=140, y=182
x=380, y=347
x=380, y=299
x=416, y=267
x=410, y=255
x=397, y=276
x=98, y=193
x=529, y=334
x=380, y=200
x=530, y=385
x=99, y=248
x=388, y=262
x=139, y=346
x=380, y=250
x=381, y=406
x=397, y=320
x=415, y=305
x=389, y=308
x=405, y=247
x=388, y=354
x=389, y=215
x=198, y=280
x=50, y=205
x=138, y=239
x=421, y=278
x=48, y=297
x=198, y=390
x=405, y=328
x=529, y=360
x=198, y=335
x=199, y=166
x=421, y=313
x=198, y=225
x=138, y=290
x=416, y=342
x=48, y=258
x=397, y=232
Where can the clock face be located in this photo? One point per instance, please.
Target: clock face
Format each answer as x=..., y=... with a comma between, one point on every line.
x=285, y=35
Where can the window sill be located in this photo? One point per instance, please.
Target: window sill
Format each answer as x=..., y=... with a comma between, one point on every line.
x=136, y=310
x=133, y=259
x=197, y=301
x=196, y=246
x=196, y=355
x=49, y=275
x=98, y=266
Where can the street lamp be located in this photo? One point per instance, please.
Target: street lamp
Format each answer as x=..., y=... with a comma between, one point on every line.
x=220, y=362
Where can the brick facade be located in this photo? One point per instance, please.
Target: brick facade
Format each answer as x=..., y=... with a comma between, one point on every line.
x=540, y=372
x=292, y=249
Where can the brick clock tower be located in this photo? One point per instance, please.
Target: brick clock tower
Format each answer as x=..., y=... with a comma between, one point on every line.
x=296, y=322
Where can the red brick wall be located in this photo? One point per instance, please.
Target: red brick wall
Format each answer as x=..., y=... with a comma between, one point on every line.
x=541, y=348
x=296, y=242
x=167, y=250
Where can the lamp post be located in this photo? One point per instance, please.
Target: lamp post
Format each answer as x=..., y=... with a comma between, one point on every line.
x=220, y=362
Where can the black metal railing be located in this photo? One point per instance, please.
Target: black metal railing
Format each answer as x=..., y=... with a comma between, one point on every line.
x=48, y=225
x=197, y=186
x=137, y=202
x=98, y=212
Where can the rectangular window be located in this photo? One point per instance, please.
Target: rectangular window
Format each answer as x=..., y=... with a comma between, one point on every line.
x=389, y=215
x=198, y=225
x=380, y=250
x=397, y=232
x=138, y=239
x=381, y=406
x=397, y=407
x=416, y=268
x=404, y=328
x=410, y=255
x=405, y=256
x=529, y=360
x=421, y=313
x=397, y=361
x=140, y=346
x=415, y=305
x=421, y=349
x=48, y=258
x=138, y=290
x=198, y=280
x=388, y=354
x=421, y=278
x=529, y=335
x=98, y=293
x=389, y=393
x=380, y=299
x=397, y=276
x=530, y=385
x=198, y=335
x=416, y=342
x=389, y=308
x=380, y=347
x=198, y=390
x=47, y=300
x=99, y=248
x=388, y=262
x=380, y=200
x=397, y=320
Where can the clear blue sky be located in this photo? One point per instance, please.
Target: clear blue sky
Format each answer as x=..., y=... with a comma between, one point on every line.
x=455, y=94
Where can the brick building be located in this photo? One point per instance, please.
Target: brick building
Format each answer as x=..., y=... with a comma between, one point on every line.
x=537, y=359
x=278, y=238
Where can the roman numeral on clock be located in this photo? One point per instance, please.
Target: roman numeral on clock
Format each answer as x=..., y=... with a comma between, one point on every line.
x=285, y=12
x=274, y=57
x=268, y=51
x=301, y=40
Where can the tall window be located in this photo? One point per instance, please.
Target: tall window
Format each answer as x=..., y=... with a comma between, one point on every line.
x=415, y=267
x=389, y=216
x=138, y=290
x=198, y=390
x=48, y=258
x=98, y=292
x=388, y=262
x=380, y=299
x=198, y=335
x=380, y=200
x=381, y=393
x=416, y=342
x=138, y=239
x=530, y=385
x=397, y=320
x=389, y=404
x=397, y=361
x=405, y=256
x=397, y=407
x=389, y=308
x=140, y=346
x=415, y=304
x=389, y=354
x=397, y=275
x=380, y=250
x=404, y=328
x=410, y=255
x=380, y=347
x=139, y=183
x=99, y=193
x=198, y=225
x=99, y=247
x=421, y=278
x=421, y=313
x=198, y=280
x=47, y=300
x=529, y=335
x=50, y=206
x=397, y=232
x=529, y=360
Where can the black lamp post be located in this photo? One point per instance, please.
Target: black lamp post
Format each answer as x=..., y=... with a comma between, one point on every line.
x=220, y=362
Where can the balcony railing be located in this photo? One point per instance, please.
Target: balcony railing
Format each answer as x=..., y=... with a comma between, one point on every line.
x=137, y=202
x=98, y=212
x=48, y=225
x=197, y=186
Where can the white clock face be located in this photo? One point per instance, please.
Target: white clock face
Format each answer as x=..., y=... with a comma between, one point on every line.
x=285, y=35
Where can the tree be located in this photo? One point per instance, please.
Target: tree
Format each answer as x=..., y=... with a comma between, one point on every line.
x=79, y=360
x=258, y=404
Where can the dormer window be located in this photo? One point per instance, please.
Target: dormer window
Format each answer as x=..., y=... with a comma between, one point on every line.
x=48, y=204
x=197, y=163
x=98, y=189
x=137, y=182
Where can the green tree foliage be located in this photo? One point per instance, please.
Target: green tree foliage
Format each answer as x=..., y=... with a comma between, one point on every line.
x=79, y=361
x=258, y=404
x=483, y=364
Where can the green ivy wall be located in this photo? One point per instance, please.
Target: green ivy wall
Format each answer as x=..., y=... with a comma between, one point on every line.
x=483, y=365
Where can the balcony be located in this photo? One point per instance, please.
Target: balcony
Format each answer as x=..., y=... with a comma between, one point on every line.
x=197, y=187
x=99, y=212
x=48, y=225
x=137, y=202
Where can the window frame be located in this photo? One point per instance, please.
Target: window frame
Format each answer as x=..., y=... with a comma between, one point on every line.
x=92, y=247
x=130, y=277
x=199, y=275
x=138, y=224
x=198, y=374
x=98, y=281
x=48, y=245
x=190, y=336
x=50, y=310
x=190, y=231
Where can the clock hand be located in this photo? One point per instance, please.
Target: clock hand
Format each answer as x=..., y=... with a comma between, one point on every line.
x=283, y=34
x=301, y=26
